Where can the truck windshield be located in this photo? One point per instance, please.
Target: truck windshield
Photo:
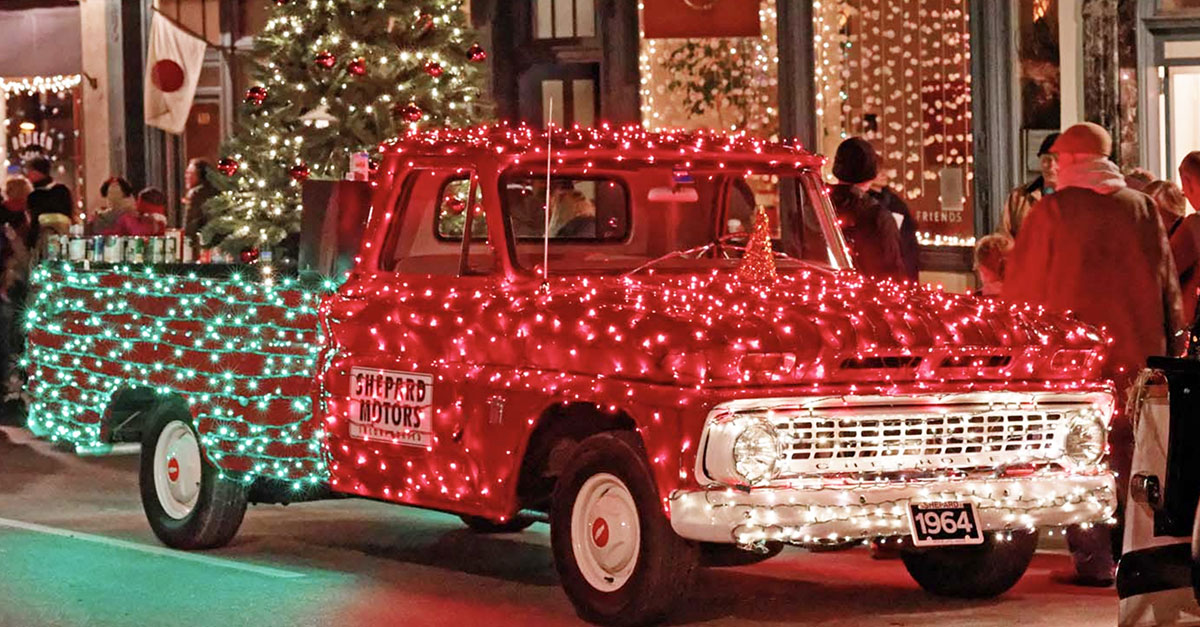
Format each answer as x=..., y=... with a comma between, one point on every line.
x=619, y=221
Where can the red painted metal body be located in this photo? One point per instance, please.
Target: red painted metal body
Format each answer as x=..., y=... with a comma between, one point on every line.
x=661, y=347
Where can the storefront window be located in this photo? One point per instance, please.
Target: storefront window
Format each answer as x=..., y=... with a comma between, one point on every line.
x=724, y=83
x=898, y=74
x=43, y=121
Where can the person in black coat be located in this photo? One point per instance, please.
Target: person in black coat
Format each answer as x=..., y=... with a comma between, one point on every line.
x=870, y=230
x=910, y=249
x=50, y=203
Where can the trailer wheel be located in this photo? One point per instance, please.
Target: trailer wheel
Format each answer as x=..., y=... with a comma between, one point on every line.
x=187, y=503
x=973, y=572
x=478, y=524
x=619, y=560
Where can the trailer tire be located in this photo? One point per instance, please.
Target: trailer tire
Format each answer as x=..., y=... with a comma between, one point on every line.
x=479, y=524
x=980, y=571
x=618, y=558
x=187, y=503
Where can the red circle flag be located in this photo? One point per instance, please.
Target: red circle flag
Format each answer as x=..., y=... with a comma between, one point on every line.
x=167, y=75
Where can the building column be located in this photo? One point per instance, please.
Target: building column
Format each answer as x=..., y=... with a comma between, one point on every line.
x=99, y=159
x=797, y=90
x=127, y=26
x=1070, y=54
x=1102, y=67
x=997, y=156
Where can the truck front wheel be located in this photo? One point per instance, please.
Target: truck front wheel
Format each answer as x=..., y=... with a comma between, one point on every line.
x=187, y=503
x=616, y=554
x=973, y=572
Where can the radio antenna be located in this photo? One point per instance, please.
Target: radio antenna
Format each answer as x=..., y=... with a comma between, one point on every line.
x=546, y=225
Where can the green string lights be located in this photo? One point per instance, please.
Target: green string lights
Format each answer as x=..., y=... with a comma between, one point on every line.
x=240, y=349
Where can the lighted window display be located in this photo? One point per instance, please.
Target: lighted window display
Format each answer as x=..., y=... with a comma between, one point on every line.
x=898, y=74
x=41, y=119
x=730, y=84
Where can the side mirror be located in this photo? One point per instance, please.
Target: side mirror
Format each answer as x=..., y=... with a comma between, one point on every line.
x=674, y=194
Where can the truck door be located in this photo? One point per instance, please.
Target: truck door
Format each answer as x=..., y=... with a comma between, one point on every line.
x=396, y=384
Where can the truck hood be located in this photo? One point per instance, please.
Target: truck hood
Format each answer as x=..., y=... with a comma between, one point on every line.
x=811, y=325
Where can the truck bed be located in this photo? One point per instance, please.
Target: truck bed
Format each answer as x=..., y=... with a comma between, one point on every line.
x=239, y=346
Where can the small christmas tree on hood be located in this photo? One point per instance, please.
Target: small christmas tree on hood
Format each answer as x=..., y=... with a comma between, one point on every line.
x=758, y=264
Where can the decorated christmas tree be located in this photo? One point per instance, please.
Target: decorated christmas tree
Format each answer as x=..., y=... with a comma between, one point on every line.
x=331, y=78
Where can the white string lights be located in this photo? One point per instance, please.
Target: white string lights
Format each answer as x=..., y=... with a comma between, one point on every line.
x=661, y=109
x=40, y=84
x=898, y=73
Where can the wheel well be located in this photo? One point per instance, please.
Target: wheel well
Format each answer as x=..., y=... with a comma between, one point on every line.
x=560, y=429
x=130, y=409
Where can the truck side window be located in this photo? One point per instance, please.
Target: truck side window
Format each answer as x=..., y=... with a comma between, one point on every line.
x=778, y=194
x=427, y=233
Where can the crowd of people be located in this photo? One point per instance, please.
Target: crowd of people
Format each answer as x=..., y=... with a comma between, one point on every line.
x=1120, y=251
x=35, y=205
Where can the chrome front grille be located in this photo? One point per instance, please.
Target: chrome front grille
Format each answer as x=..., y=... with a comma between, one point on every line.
x=890, y=439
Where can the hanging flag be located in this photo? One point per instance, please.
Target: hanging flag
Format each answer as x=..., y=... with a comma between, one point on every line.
x=172, y=73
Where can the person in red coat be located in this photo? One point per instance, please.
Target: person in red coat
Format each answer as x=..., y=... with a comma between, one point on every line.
x=1098, y=249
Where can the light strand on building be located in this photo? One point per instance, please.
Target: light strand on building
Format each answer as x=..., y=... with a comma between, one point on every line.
x=56, y=84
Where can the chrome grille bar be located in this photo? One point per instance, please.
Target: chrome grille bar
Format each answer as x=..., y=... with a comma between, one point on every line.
x=821, y=442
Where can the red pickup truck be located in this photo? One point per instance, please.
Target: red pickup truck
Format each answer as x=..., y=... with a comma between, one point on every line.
x=605, y=366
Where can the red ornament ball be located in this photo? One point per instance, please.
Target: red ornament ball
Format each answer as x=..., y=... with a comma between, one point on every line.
x=228, y=166
x=424, y=23
x=476, y=53
x=409, y=112
x=299, y=173
x=357, y=67
x=434, y=69
x=454, y=204
x=256, y=95
x=325, y=59
x=250, y=256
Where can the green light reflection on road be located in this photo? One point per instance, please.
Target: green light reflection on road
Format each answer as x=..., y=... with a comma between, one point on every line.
x=48, y=580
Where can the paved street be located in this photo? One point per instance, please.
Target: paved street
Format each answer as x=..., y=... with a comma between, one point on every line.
x=364, y=563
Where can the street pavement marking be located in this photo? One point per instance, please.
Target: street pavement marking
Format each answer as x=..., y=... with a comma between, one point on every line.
x=152, y=550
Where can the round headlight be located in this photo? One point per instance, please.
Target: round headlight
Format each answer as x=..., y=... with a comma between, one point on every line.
x=1084, y=441
x=755, y=453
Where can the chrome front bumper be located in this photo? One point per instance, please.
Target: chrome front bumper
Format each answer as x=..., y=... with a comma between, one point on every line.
x=847, y=512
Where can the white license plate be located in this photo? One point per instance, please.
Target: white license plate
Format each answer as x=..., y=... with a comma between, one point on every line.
x=944, y=524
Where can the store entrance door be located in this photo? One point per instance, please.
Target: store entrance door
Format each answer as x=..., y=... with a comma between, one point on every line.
x=1171, y=115
x=1181, y=130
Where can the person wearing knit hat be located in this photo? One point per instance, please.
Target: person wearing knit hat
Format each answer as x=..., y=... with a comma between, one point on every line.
x=1097, y=248
x=870, y=230
x=1021, y=199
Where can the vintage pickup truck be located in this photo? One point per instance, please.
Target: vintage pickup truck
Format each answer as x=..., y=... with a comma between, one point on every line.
x=608, y=368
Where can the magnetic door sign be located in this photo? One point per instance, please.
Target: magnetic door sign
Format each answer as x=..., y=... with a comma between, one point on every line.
x=700, y=18
x=389, y=406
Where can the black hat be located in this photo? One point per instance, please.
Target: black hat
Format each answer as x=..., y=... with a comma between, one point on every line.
x=1047, y=144
x=856, y=161
x=38, y=164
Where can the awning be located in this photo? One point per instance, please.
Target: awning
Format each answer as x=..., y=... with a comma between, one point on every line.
x=40, y=42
